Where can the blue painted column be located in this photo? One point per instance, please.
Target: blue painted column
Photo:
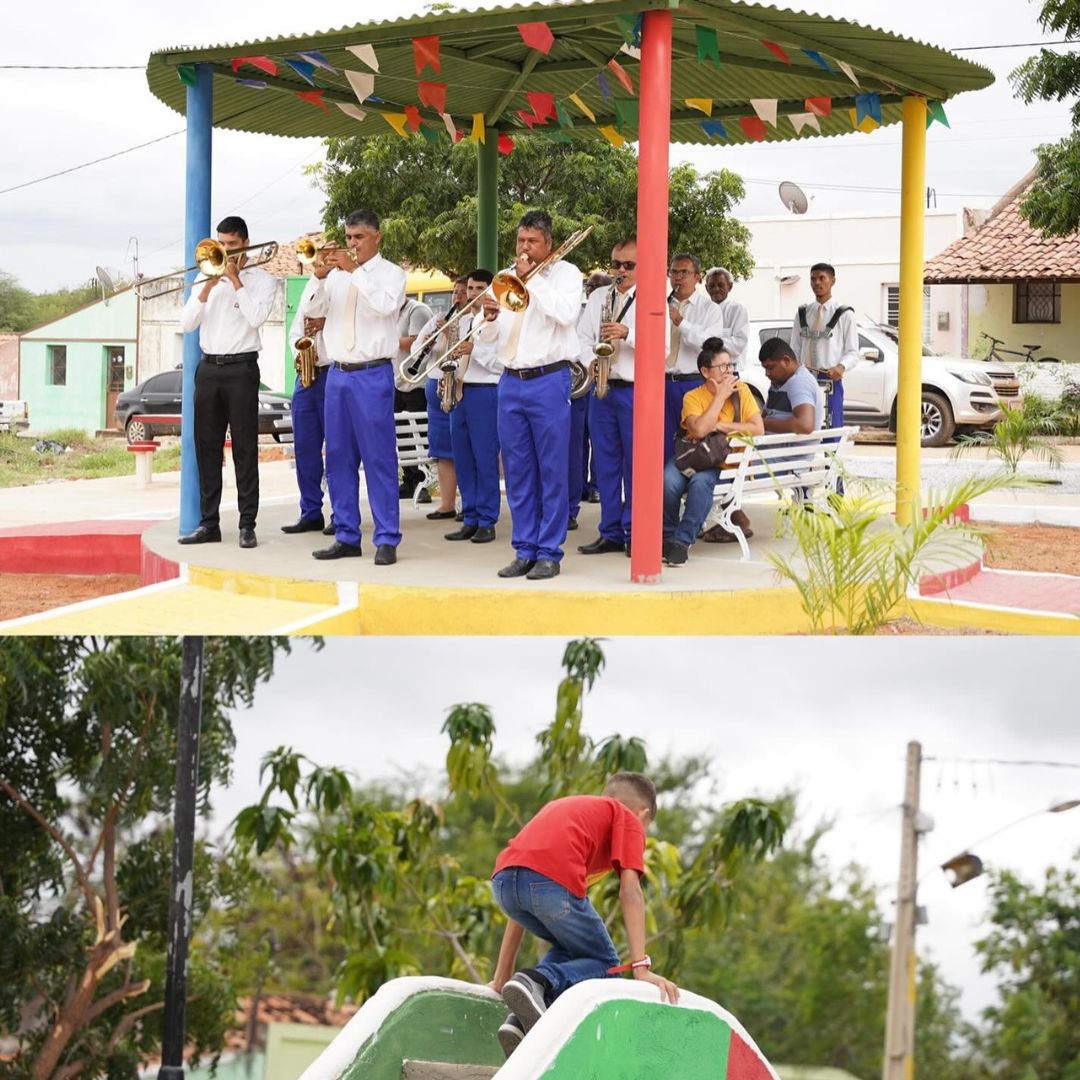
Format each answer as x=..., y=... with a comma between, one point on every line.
x=200, y=124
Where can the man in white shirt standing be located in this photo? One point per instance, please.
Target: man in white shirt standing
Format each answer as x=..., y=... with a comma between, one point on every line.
x=826, y=340
x=693, y=319
x=535, y=347
x=228, y=311
x=734, y=320
x=360, y=293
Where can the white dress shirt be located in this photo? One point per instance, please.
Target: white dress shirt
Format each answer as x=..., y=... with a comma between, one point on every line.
x=296, y=331
x=622, y=360
x=380, y=289
x=701, y=319
x=484, y=363
x=229, y=321
x=547, y=326
x=823, y=353
x=735, y=330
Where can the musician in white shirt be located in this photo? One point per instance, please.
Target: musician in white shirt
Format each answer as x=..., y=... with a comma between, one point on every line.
x=360, y=293
x=228, y=311
x=693, y=318
x=535, y=347
x=734, y=322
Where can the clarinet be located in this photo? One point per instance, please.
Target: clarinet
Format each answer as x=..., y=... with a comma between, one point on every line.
x=421, y=356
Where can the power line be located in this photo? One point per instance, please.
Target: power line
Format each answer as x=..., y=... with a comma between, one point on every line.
x=1005, y=761
x=1017, y=45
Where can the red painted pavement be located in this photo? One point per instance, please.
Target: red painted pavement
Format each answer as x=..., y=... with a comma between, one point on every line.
x=1055, y=593
x=73, y=547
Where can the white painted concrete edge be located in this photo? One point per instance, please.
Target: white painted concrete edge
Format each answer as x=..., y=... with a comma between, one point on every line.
x=348, y=595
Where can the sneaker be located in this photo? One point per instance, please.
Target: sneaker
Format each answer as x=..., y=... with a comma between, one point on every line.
x=510, y=1034
x=524, y=997
x=676, y=554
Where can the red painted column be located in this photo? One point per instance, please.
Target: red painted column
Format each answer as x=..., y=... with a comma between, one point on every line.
x=654, y=136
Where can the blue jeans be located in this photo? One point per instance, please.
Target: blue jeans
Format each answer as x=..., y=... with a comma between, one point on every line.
x=698, y=490
x=581, y=947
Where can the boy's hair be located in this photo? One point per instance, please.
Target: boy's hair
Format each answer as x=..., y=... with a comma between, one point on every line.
x=480, y=274
x=828, y=268
x=776, y=348
x=233, y=226
x=634, y=789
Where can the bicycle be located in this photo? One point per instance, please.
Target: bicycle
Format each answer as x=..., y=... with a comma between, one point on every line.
x=996, y=352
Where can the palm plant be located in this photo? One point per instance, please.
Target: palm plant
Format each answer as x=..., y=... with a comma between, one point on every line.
x=1016, y=436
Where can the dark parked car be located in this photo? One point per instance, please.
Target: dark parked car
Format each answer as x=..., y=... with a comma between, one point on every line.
x=160, y=394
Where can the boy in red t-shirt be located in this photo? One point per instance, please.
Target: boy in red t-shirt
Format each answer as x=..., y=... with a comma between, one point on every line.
x=541, y=881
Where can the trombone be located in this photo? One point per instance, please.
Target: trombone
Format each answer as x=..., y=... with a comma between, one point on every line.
x=211, y=258
x=510, y=291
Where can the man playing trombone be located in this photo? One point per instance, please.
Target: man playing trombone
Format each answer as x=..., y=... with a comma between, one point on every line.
x=228, y=310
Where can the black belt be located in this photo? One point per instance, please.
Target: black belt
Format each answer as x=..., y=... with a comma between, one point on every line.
x=220, y=359
x=536, y=372
x=620, y=382
x=681, y=376
x=362, y=365
x=480, y=386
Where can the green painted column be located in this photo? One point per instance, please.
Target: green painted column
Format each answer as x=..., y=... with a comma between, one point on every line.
x=487, y=199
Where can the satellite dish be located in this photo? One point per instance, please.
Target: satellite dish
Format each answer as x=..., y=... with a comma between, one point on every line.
x=794, y=198
x=108, y=281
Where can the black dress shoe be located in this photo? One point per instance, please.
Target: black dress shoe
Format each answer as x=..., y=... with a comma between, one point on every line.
x=601, y=546
x=304, y=525
x=424, y=497
x=385, y=555
x=466, y=532
x=459, y=517
x=329, y=530
x=202, y=535
x=518, y=568
x=592, y=496
x=338, y=550
x=571, y=525
x=247, y=538
x=441, y=515
x=484, y=534
x=544, y=569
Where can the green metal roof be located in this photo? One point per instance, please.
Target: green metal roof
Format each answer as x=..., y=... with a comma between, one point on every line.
x=488, y=69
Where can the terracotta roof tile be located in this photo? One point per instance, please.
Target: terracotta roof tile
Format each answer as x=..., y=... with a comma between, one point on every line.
x=1006, y=248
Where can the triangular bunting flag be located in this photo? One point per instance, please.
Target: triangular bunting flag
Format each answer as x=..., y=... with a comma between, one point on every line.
x=313, y=56
x=765, y=108
x=800, y=120
x=363, y=84
x=451, y=127
x=528, y=118
x=626, y=115
x=605, y=87
x=777, y=51
x=630, y=28
x=425, y=51
x=263, y=63
x=563, y=115
x=702, y=104
x=315, y=97
x=365, y=54
x=459, y=135
x=935, y=110
x=429, y=133
x=412, y=117
x=506, y=143
x=611, y=135
x=708, y=45
x=820, y=106
x=583, y=107
x=538, y=36
x=252, y=84
x=867, y=123
x=396, y=120
x=433, y=94
x=867, y=105
x=543, y=104
x=846, y=69
x=632, y=51
x=818, y=59
x=753, y=128
x=188, y=74
x=714, y=129
x=349, y=109
x=620, y=74
x=303, y=69
x=477, y=133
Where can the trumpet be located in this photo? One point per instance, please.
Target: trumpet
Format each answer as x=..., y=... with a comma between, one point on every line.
x=309, y=253
x=509, y=290
x=211, y=258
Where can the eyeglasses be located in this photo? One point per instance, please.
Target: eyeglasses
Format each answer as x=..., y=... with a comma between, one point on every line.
x=721, y=367
x=680, y=273
x=617, y=265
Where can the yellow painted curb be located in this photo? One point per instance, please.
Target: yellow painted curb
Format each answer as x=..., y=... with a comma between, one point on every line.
x=951, y=614
x=264, y=585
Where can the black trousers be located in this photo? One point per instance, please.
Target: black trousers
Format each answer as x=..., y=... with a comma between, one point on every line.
x=410, y=401
x=227, y=396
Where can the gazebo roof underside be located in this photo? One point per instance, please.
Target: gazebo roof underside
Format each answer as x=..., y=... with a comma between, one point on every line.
x=488, y=69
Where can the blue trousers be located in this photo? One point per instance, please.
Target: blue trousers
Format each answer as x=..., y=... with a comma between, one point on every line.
x=581, y=947
x=309, y=431
x=534, y=433
x=474, y=434
x=438, y=423
x=579, y=409
x=611, y=425
x=360, y=431
x=674, y=392
x=698, y=489
x=834, y=404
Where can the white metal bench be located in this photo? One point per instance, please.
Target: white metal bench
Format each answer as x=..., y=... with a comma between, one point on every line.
x=412, y=448
x=806, y=465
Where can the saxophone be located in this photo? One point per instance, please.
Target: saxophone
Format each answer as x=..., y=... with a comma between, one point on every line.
x=604, y=351
x=452, y=368
x=305, y=361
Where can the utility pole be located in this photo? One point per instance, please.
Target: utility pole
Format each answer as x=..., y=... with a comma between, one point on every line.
x=182, y=897
x=899, y=1061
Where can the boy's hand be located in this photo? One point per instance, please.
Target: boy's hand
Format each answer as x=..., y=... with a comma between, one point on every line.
x=497, y=984
x=668, y=990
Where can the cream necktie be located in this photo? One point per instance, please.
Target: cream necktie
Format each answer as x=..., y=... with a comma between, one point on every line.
x=348, y=315
x=676, y=337
x=508, y=351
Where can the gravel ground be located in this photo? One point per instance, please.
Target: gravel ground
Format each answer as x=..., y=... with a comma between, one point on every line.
x=939, y=474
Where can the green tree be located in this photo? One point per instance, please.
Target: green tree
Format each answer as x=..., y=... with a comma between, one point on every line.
x=1034, y=952
x=1052, y=204
x=16, y=305
x=87, y=773
x=425, y=195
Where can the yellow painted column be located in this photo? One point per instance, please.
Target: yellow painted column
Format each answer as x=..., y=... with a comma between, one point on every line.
x=912, y=228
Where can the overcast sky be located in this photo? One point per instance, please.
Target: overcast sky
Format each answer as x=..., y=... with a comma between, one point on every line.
x=773, y=722
x=56, y=232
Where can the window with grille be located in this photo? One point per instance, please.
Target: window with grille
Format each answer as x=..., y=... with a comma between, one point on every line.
x=892, y=309
x=1037, y=302
x=57, y=361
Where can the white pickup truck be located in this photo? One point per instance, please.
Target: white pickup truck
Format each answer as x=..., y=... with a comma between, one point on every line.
x=14, y=415
x=956, y=393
